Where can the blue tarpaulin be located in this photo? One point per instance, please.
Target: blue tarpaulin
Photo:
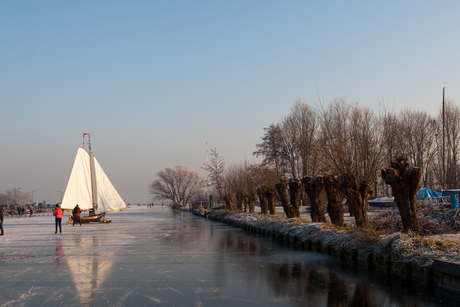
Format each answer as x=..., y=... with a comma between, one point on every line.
x=427, y=193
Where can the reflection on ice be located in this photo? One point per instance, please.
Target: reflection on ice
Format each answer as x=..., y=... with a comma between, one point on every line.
x=59, y=251
x=90, y=268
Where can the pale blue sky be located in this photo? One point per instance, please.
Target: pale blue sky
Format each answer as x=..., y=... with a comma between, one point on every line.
x=155, y=80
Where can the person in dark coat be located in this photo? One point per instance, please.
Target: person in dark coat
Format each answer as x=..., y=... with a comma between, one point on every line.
x=1, y=220
x=76, y=215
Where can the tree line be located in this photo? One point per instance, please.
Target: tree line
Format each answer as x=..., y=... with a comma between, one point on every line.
x=341, y=149
x=15, y=196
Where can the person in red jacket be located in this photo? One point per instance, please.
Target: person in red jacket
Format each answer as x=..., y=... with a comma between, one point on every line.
x=58, y=217
x=76, y=215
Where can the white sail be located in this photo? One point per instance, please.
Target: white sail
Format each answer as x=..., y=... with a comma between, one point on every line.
x=78, y=190
x=108, y=198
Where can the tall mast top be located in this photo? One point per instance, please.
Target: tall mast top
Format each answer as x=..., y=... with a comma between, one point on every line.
x=89, y=141
x=91, y=166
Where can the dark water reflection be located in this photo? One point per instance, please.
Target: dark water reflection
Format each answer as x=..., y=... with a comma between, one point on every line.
x=298, y=278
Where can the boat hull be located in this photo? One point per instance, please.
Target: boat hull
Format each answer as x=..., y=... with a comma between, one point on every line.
x=89, y=219
x=93, y=218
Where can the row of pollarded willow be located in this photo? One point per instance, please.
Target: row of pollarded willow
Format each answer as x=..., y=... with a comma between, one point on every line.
x=179, y=185
x=404, y=180
x=341, y=138
x=314, y=187
x=344, y=137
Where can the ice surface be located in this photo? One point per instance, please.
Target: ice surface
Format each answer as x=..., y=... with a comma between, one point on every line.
x=159, y=257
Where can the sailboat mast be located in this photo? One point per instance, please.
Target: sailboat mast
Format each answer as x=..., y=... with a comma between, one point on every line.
x=91, y=169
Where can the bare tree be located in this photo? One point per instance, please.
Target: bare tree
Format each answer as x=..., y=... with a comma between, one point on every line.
x=304, y=118
x=392, y=139
x=413, y=134
x=235, y=179
x=418, y=131
x=3, y=199
x=250, y=186
x=290, y=145
x=177, y=184
x=271, y=149
x=291, y=203
x=332, y=185
x=265, y=179
x=262, y=200
x=452, y=144
x=314, y=187
x=352, y=146
x=281, y=188
x=295, y=190
x=405, y=182
x=242, y=185
x=290, y=134
x=216, y=172
x=270, y=193
x=16, y=196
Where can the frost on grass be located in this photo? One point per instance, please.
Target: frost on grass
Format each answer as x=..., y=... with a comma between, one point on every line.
x=439, y=223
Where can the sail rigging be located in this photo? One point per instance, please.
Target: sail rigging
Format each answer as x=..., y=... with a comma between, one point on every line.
x=80, y=188
x=108, y=198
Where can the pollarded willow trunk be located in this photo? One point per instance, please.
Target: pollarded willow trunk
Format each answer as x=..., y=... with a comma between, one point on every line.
x=270, y=195
x=295, y=189
x=251, y=203
x=228, y=202
x=262, y=200
x=357, y=195
x=405, y=181
x=314, y=187
x=239, y=202
x=334, y=199
x=281, y=187
x=245, y=204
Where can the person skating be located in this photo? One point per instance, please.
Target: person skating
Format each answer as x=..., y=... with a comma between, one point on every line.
x=58, y=217
x=1, y=220
x=76, y=215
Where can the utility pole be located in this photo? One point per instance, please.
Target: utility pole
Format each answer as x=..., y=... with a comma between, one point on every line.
x=61, y=196
x=33, y=196
x=443, y=179
x=207, y=182
x=15, y=195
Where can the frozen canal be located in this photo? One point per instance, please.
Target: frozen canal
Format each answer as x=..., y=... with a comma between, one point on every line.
x=164, y=257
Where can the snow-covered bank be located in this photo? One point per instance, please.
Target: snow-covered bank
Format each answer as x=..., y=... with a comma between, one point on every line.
x=408, y=255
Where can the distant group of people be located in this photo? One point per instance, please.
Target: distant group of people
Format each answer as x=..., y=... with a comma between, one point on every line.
x=22, y=210
x=150, y=205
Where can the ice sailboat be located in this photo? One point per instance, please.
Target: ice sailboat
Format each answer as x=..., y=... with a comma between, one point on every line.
x=90, y=188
